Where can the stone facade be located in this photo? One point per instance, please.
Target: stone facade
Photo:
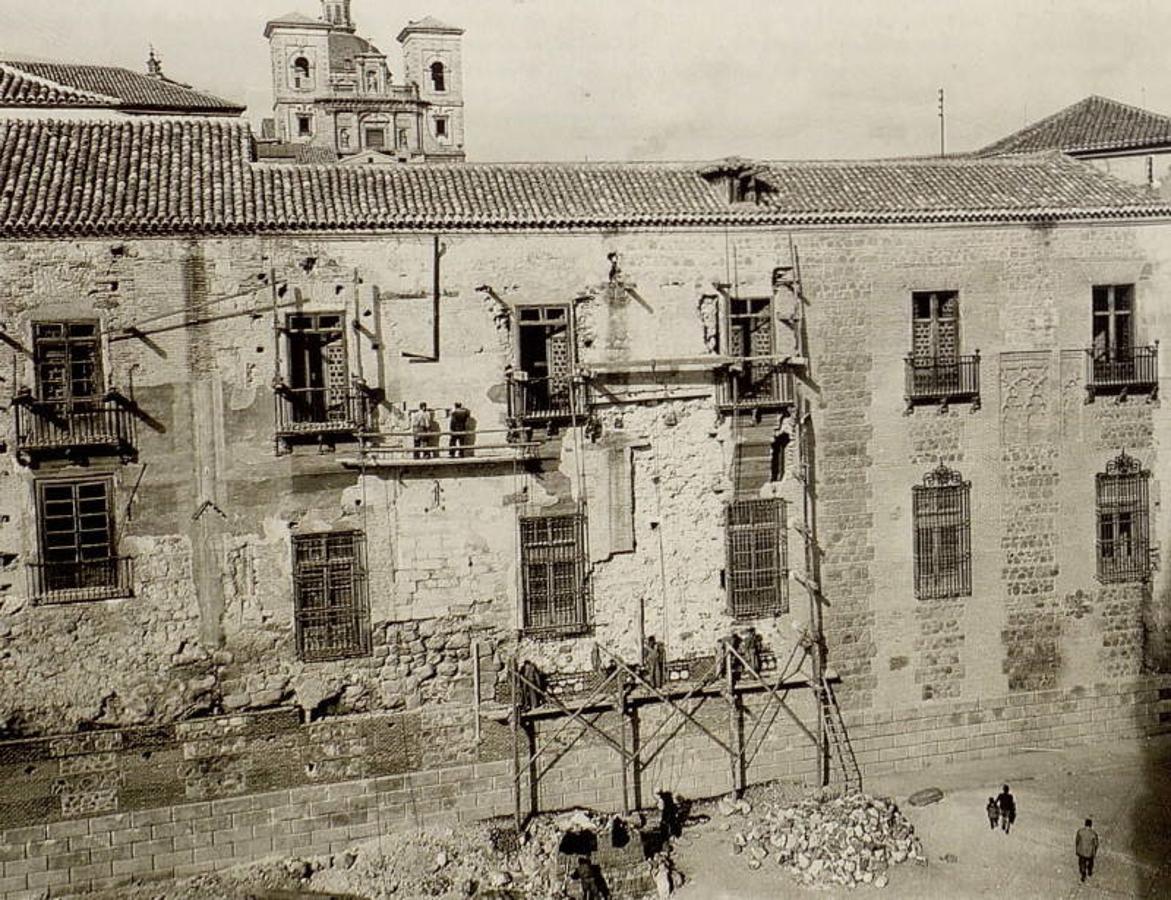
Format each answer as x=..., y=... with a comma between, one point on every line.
x=210, y=503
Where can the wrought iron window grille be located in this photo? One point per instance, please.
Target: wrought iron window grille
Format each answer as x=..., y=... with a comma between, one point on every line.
x=1123, y=521
x=757, y=574
x=941, y=515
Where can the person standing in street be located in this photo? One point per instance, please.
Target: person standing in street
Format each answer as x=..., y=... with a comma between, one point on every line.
x=1007, y=806
x=1086, y=847
x=993, y=813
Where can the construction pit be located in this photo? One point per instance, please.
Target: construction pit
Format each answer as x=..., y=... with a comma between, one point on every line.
x=821, y=838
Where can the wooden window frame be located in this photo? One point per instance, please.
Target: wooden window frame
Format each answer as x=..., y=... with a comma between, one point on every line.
x=1117, y=318
x=91, y=568
x=943, y=373
x=941, y=512
x=67, y=342
x=554, y=568
x=1122, y=517
x=756, y=532
x=331, y=608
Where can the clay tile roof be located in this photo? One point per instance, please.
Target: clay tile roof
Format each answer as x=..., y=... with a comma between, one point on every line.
x=932, y=186
x=197, y=175
x=1093, y=124
x=132, y=91
x=19, y=88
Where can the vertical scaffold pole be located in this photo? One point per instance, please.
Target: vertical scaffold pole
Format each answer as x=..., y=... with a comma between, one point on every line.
x=736, y=748
x=620, y=708
x=516, y=785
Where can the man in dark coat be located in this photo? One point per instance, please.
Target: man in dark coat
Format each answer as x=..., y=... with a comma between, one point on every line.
x=1086, y=847
x=1007, y=806
x=459, y=424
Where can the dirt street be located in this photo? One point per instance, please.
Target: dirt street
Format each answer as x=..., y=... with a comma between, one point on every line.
x=1125, y=788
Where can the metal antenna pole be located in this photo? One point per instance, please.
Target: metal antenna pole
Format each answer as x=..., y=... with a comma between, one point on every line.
x=942, y=126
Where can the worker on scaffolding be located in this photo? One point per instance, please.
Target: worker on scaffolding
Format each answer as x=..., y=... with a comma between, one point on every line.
x=727, y=662
x=421, y=423
x=459, y=425
x=751, y=646
x=654, y=662
x=532, y=685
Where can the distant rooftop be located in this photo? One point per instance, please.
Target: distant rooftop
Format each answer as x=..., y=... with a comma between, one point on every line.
x=53, y=84
x=1091, y=126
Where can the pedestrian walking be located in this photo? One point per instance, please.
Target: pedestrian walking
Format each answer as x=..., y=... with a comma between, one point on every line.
x=1086, y=847
x=1007, y=806
x=993, y=813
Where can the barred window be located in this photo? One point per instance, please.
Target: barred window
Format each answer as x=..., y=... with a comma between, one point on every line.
x=1123, y=521
x=758, y=558
x=75, y=524
x=330, y=603
x=553, y=564
x=941, y=509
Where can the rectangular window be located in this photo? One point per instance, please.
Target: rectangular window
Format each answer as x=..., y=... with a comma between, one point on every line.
x=936, y=370
x=441, y=127
x=755, y=378
x=935, y=325
x=304, y=126
x=376, y=138
x=68, y=362
x=935, y=340
x=318, y=391
x=545, y=356
x=401, y=137
x=1113, y=334
x=1123, y=522
x=941, y=512
x=331, y=608
x=758, y=558
x=553, y=568
x=78, y=554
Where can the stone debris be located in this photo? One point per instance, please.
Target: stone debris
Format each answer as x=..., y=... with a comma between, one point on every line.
x=823, y=841
x=490, y=860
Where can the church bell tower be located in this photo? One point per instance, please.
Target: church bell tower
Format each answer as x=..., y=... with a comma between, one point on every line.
x=337, y=14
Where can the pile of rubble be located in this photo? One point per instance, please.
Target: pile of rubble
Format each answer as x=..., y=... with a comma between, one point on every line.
x=491, y=861
x=847, y=840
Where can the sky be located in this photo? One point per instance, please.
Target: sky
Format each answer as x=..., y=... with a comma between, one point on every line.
x=678, y=79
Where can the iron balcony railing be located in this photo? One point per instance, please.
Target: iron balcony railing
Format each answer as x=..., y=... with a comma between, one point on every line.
x=1121, y=371
x=755, y=382
x=81, y=581
x=934, y=380
x=316, y=411
x=538, y=400
x=60, y=425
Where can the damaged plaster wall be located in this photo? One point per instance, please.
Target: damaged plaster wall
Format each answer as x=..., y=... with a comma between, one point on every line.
x=441, y=546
